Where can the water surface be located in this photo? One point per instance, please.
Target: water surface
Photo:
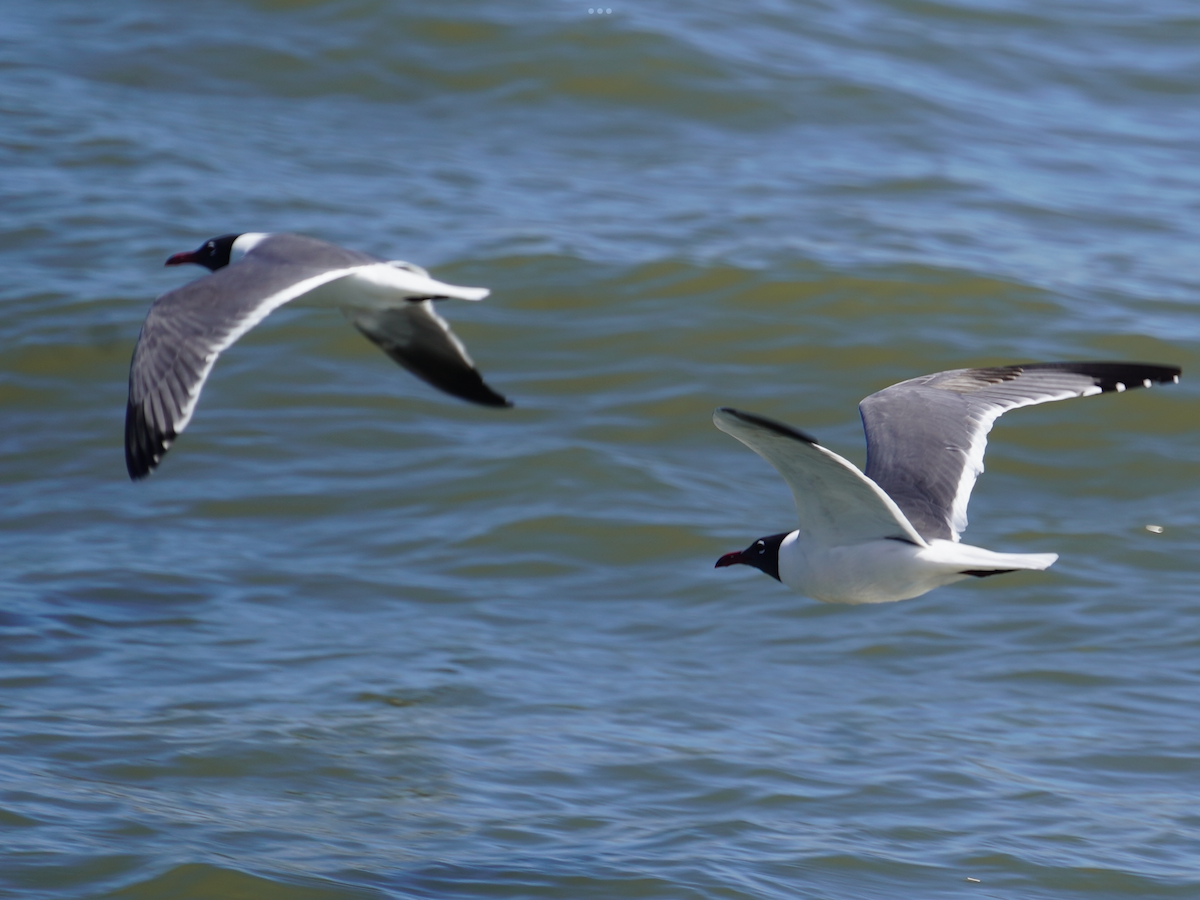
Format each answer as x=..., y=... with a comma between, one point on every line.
x=357, y=639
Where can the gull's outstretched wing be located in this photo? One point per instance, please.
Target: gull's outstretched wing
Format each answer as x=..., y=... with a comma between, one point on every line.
x=926, y=436
x=184, y=333
x=836, y=503
x=420, y=340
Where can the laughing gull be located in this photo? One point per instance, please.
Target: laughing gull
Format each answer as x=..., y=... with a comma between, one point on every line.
x=892, y=533
x=254, y=274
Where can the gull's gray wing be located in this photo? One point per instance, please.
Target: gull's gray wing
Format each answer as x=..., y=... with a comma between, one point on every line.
x=926, y=436
x=836, y=503
x=292, y=255
x=420, y=340
x=188, y=328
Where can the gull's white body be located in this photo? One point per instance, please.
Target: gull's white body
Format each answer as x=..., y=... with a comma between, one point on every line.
x=882, y=571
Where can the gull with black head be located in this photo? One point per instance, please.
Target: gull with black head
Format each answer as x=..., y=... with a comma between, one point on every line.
x=893, y=532
x=253, y=274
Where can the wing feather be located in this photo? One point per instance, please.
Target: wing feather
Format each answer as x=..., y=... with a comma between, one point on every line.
x=420, y=340
x=184, y=333
x=837, y=503
x=926, y=436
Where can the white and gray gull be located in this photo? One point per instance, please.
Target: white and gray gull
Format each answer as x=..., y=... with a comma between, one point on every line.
x=254, y=274
x=892, y=533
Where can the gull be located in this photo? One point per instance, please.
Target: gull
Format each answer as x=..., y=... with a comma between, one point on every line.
x=254, y=274
x=893, y=532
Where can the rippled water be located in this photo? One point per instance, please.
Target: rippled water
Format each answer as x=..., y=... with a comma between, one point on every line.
x=356, y=639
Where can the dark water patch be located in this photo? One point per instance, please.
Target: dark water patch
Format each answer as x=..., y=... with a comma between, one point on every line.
x=198, y=881
x=1081, y=880
x=1155, y=764
x=1064, y=679
x=384, y=55
x=445, y=696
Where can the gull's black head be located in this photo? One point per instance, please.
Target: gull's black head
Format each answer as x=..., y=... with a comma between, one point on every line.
x=762, y=554
x=212, y=254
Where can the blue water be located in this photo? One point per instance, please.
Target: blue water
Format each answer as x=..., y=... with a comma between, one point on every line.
x=358, y=639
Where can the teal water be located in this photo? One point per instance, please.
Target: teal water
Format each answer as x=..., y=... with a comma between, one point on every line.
x=357, y=639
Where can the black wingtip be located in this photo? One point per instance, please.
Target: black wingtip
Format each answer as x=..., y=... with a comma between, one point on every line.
x=473, y=391
x=458, y=377
x=777, y=427
x=1116, y=376
x=144, y=448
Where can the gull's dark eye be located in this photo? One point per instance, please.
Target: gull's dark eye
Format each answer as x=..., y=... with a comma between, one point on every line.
x=211, y=246
x=762, y=548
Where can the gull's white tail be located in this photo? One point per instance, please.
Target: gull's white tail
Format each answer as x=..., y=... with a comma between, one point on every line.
x=972, y=560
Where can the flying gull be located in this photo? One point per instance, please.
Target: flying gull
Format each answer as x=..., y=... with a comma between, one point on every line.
x=892, y=533
x=252, y=275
